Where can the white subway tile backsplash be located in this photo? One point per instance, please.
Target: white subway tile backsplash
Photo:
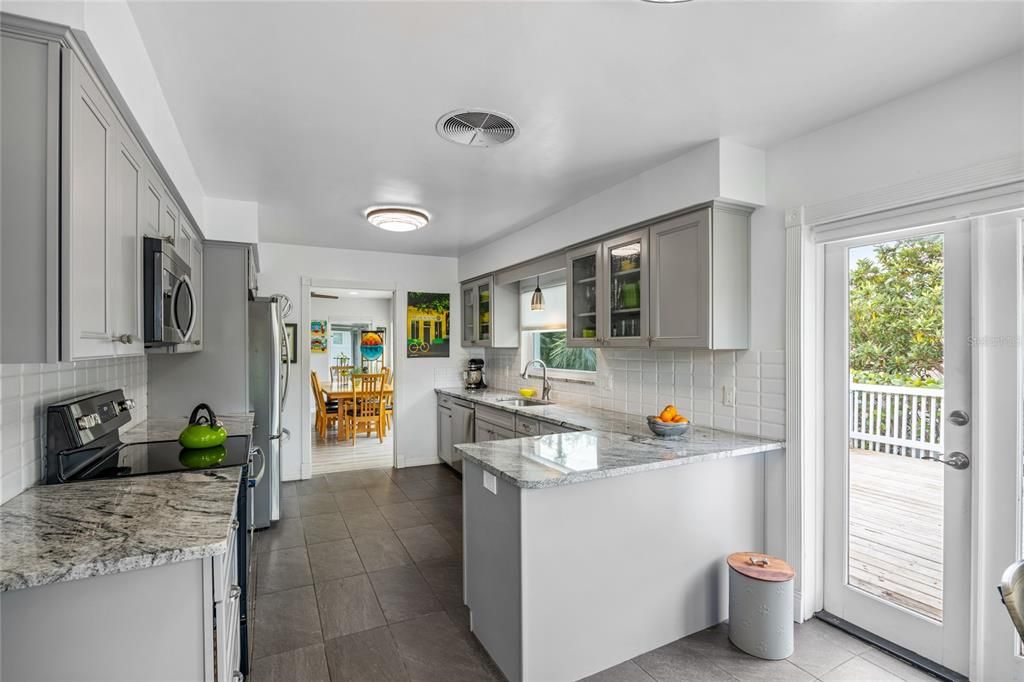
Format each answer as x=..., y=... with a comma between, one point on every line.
x=641, y=382
x=26, y=390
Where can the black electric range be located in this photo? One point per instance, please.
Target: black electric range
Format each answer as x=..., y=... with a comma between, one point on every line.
x=83, y=444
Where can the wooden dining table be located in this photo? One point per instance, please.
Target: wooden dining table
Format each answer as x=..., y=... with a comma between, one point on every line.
x=343, y=390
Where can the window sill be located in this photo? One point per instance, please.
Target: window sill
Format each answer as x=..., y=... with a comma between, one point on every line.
x=563, y=378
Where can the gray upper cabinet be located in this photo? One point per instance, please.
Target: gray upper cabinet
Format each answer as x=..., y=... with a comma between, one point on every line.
x=700, y=279
x=625, y=290
x=679, y=282
x=30, y=97
x=125, y=294
x=79, y=194
x=89, y=231
x=490, y=314
x=608, y=291
x=584, y=294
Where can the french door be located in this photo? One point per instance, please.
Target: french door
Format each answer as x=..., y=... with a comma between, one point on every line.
x=897, y=438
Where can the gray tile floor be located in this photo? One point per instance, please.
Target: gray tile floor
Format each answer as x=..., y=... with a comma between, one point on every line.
x=362, y=580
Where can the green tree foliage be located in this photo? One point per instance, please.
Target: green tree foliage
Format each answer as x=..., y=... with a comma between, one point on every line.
x=896, y=314
x=557, y=354
x=437, y=303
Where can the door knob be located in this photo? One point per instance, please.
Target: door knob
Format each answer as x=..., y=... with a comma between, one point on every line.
x=957, y=460
x=959, y=418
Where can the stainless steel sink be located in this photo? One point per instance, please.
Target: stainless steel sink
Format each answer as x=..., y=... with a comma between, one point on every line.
x=523, y=402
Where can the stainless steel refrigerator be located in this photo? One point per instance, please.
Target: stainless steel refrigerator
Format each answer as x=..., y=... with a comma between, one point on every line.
x=268, y=386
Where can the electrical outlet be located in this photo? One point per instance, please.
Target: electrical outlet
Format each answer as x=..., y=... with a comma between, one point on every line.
x=729, y=396
x=491, y=482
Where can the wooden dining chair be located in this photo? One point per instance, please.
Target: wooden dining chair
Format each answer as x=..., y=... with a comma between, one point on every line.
x=325, y=414
x=341, y=374
x=389, y=399
x=366, y=413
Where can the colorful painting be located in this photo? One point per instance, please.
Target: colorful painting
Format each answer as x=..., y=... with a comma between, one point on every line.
x=428, y=327
x=371, y=345
x=318, y=336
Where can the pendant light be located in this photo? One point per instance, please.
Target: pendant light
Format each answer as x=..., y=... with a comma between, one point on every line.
x=537, y=300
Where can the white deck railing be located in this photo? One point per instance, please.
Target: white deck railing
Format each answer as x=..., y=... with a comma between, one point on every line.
x=896, y=419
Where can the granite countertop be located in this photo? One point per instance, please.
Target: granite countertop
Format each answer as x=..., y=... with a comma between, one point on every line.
x=56, y=533
x=170, y=429
x=602, y=444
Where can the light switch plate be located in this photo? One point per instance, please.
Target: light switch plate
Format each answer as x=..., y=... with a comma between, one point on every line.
x=491, y=482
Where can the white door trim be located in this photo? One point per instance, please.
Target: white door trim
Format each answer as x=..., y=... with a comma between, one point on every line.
x=307, y=284
x=984, y=189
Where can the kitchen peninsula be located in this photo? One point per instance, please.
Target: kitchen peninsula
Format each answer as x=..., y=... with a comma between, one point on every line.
x=588, y=547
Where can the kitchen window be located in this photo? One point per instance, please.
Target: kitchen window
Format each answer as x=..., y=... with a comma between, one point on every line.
x=544, y=336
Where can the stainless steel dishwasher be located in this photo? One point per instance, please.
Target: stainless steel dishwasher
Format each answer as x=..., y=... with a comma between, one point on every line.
x=463, y=420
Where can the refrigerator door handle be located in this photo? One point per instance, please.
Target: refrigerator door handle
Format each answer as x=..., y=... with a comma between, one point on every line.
x=255, y=480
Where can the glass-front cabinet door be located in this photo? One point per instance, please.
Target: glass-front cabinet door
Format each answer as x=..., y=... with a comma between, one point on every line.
x=625, y=265
x=468, y=315
x=584, y=313
x=483, y=313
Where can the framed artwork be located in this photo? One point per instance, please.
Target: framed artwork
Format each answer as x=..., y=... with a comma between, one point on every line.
x=291, y=329
x=428, y=327
x=318, y=336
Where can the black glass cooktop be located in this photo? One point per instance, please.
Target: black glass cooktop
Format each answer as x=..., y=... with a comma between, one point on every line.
x=160, y=457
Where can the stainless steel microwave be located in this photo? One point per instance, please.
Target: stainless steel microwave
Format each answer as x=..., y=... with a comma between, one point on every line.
x=169, y=308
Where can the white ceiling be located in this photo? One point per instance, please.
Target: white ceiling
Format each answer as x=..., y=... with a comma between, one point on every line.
x=319, y=110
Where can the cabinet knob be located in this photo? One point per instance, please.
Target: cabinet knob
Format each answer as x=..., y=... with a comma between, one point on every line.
x=123, y=338
x=169, y=239
x=237, y=676
x=196, y=342
x=234, y=593
x=234, y=525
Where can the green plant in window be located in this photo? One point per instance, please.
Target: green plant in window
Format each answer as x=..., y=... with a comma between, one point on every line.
x=557, y=354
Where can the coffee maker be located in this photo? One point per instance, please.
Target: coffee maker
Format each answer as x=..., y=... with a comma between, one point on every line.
x=473, y=376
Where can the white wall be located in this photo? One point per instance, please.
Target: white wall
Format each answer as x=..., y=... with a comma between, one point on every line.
x=963, y=121
x=230, y=220
x=27, y=390
x=718, y=169
x=113, y=32
x=282, y=266
x=374, y=311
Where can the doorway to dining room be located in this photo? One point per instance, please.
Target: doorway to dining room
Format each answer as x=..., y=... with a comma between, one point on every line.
x=351, y=366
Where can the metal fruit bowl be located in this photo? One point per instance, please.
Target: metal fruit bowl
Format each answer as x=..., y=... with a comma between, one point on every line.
x=666, y=430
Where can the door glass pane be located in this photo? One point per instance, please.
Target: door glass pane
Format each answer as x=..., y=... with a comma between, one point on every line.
x=624, y=275
x=484, y=311
x=584, y=297
x=895, y=495
x=468, y=317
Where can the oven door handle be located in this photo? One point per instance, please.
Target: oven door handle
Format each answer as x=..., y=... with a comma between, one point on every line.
x=255, y=480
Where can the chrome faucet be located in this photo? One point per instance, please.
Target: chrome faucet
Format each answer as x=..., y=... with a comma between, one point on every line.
x=547, y=385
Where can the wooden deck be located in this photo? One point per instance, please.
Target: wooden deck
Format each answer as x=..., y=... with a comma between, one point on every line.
x=896, y=529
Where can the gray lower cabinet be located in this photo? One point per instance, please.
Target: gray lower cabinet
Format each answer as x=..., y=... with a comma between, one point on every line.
x=444, y=429
x=177, y=621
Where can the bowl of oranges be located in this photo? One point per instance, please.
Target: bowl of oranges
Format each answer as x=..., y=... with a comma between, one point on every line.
x=669, y=423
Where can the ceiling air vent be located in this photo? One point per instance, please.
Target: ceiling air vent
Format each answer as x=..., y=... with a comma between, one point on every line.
x=476, y=128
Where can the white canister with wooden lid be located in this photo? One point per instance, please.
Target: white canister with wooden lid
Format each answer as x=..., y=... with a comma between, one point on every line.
x=761, y=605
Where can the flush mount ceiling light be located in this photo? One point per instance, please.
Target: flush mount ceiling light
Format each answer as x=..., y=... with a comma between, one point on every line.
x=395, y=219
x=537, y=300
